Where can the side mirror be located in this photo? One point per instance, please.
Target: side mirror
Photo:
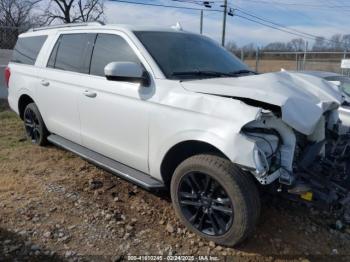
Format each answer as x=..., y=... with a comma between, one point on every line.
x=128, y=72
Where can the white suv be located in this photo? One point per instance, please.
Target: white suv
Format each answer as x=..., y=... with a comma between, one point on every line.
x=165, y=108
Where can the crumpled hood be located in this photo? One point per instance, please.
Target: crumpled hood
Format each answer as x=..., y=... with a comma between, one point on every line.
x=302, y=98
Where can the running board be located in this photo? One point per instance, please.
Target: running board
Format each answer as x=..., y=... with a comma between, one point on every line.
x=116, y=168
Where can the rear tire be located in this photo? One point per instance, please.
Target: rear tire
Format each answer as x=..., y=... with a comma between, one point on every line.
x=226, y=211
x=34, y=125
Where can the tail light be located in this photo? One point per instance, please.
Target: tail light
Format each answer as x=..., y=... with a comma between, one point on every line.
x=7, y=75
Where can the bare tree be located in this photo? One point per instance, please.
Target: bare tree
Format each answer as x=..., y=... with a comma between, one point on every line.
x=249, y=49
x=297, y=44
x=320, y=44
x=71, y=11
x=336, y=42
x=231, y=46
x=346, y=41
x=16, y=16
x=17, y=13
x=275, y=46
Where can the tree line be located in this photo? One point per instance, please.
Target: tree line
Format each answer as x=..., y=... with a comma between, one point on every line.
x=337, y=42
x=17, y=16
x=28, y=13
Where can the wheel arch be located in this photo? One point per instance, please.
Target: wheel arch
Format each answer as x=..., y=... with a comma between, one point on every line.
x=181, y=151
x=23, y=101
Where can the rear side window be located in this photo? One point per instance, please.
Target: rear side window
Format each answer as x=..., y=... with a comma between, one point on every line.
x=27, y=49
x=72, y=52
x=110, y=48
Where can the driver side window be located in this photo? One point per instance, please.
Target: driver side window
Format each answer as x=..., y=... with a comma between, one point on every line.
x=110, y=48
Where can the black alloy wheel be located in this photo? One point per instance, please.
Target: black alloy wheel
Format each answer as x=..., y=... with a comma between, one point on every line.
x=215, y=199
x=205, y=203
x=34, y=125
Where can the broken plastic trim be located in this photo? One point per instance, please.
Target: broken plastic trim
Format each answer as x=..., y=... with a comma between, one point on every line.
x=262, y=166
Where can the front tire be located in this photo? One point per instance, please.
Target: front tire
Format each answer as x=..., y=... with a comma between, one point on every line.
x=215, y=199
x=34, y=125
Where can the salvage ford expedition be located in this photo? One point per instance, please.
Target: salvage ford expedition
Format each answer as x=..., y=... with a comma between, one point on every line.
x=164, y=108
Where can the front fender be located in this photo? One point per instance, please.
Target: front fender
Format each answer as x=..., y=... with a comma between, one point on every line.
x=234, y=146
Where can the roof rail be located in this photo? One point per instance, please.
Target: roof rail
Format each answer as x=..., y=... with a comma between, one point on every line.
x=65, y=25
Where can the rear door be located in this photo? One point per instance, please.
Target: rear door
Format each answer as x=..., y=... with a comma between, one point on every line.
x=63, y=81
x=24, y=75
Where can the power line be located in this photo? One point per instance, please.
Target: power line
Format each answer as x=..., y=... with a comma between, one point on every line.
x=283, y=30
x=274, y=27
x=286, y=29
x=252, y=18
x=279, y=25
x=280, y=29
x=299, y=4
x=168, y=6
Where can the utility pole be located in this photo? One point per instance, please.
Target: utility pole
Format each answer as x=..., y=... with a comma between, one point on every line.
x=224, y=24
x=201, y=23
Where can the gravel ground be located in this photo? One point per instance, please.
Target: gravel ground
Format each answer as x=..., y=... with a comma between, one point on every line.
x=54, y=206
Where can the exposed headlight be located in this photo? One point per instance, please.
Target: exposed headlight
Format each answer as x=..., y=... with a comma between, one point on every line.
x=266, y=148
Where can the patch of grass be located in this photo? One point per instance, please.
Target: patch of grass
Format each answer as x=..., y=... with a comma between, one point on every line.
x=10, y=142
x=11, y=130
x=3, y=158
x=7, y=114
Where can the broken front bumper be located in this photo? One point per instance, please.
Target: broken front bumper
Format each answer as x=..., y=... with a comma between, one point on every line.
x=311, y=168
x=326, y=176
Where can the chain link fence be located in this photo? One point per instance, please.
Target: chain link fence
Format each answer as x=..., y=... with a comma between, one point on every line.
x=8, y=38
x=263, y=61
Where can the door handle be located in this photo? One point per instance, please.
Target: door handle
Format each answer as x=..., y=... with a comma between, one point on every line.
x=90, y=94
x=45, y=83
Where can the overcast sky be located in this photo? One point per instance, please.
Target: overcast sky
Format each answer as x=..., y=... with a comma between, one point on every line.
x=317, y=17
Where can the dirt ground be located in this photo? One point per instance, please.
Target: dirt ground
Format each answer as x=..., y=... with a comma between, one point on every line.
x=54, y=206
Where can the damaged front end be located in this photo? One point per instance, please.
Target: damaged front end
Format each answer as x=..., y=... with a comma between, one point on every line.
x=312, y=168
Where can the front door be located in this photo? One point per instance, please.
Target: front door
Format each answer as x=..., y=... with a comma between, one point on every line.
x=114, y=115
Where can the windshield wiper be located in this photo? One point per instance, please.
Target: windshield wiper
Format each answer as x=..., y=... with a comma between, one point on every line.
x=213, y=73
x=242, y=71
x=201, y=73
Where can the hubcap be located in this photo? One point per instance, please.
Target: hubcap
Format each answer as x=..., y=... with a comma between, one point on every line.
x=205, y=204
x=32, y=125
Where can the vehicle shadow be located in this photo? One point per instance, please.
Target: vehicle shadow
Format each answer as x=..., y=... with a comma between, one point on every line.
x=14, y=247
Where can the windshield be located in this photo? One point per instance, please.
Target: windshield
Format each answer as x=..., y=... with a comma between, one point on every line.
x=184, y=55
